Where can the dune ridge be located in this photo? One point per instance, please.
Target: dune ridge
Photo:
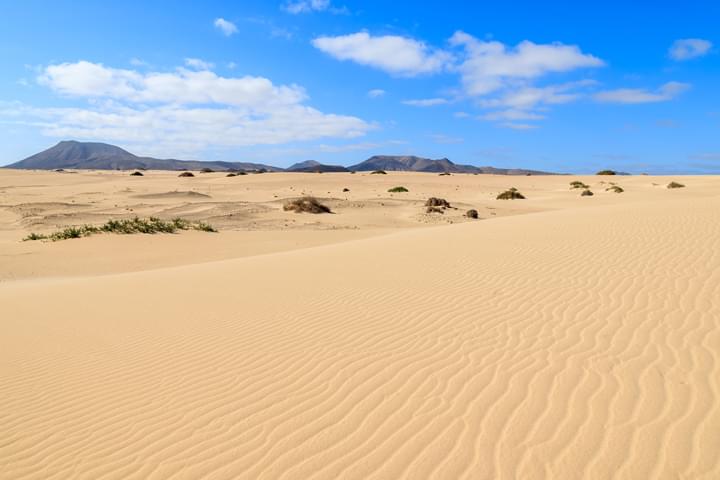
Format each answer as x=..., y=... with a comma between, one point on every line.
x=554, y=345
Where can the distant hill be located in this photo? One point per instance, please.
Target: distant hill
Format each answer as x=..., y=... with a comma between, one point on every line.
x=313, y=166
x=101, y=156
x=420, y=164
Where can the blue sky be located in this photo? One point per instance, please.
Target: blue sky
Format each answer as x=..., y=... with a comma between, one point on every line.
x=546, y=85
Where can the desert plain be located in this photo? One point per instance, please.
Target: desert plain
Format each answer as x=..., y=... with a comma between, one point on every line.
x=557, y=337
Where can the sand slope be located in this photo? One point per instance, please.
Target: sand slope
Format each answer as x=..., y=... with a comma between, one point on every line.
x=581, y=343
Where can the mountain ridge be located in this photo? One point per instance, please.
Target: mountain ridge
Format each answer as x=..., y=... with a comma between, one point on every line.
x=103, y=156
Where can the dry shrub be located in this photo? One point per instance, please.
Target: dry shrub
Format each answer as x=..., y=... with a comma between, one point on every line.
x=437, y=202
x=511, y=194
x=306, y=205
x=472, y=213
x=186, y=174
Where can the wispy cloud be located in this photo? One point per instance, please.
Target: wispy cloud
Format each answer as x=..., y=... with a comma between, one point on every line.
x=425, y=102
x=665, y=92
x=198, y=64
x=445, y=139
x=376, y=93
x=688, y=48
x=226, y=27
x=518, y=126
x=306, y=6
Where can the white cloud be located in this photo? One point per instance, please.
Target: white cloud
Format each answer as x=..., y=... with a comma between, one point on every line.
x=666, y=92
x=376, y=93
x=425, y=102
x=391, y=53
x=511, y=115
x=687, y=48
x=491, y=66
x=226, y=27
x=180, y=111
x=518, y=126
x=307, y=6
x=198, y=64
x=461, y=115
x=136, y=62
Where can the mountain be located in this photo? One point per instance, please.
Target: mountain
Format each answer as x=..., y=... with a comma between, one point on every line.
x=313, y=166
x=420, y=164
x=101, y=156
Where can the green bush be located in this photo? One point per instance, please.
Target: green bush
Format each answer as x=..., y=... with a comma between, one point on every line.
x=606, y=172
x=398, y=190
x=578, y=184
x=150, y=226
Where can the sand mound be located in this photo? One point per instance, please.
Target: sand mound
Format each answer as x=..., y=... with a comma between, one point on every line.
x=175, y=194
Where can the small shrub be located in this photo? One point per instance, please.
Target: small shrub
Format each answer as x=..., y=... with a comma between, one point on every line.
x=398, y=190
x=511, y=194
x=186, y=174
x=306, y=205
x=472, y=213
x=59, y=170
x=150, y=225
x=437, y=202
x=35, y=236
x=675, y=185
x=136, y=174
x=231, y=174
x=444, y=174
x=606, y=172
x=578, y=184
x=352, y=172
x=615, y=189
x=587, y=193
x=346, y=189
x=206, y=170
x=241, y=173
x=378, y=172
x=435, y=210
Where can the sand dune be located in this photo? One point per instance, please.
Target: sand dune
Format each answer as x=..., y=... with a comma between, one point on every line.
x=573, y=343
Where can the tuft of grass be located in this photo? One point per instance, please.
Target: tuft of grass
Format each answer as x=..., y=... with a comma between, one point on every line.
x=150, y=225
x=472, y=213
x=511, y=194
x=437, y=202
x=398, y=190
x=578, y=184
x=587, y=193
x=675, y=185
x=186, y=174
x=378, y=172
x=615, y=188
x=306, y=205
x=606, y=172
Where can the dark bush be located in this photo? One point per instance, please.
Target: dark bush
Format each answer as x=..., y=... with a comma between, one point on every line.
x=398, y=190
x=472, y=213
x=437, y=202
x=306, y=205
x=435, y=210
x=586, y=193
x=675, y=185
x=136, y=174
x=606, y=172
x=511, y=194
x=615, y=189
x=378, y=172
x=186, y=174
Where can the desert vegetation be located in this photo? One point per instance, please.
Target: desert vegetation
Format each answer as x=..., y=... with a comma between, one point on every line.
x=511, y=194
x=149, y=225
x=587, y=193
x=578, y=184
x=675, y=185
x=378, y=172
x=437, y=202
x=606, y=172
x=615, y=189
x=136, y=174
x=186, y=174
x=306, y=205
x=206, y=170
x=398, y=190
x=472, y=213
